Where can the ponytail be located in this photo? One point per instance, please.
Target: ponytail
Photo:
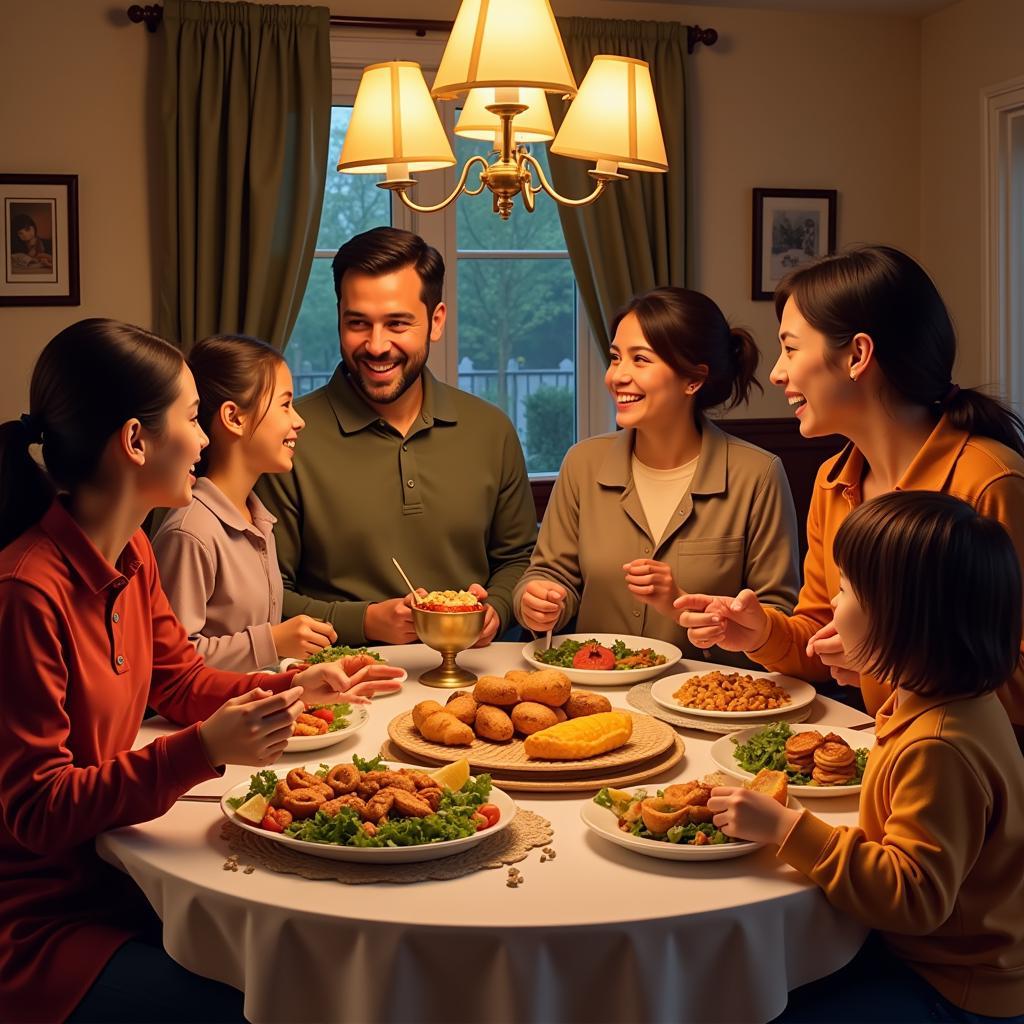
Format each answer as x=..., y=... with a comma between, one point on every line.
x=25, y=489
x=979, y=414
x=745, y=356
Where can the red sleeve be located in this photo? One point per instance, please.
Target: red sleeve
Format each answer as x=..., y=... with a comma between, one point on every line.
x=49, y=803
x=184, y=689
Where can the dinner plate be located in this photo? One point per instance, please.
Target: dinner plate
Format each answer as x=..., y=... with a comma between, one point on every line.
x=356, y=720
x=722, y=754
x=605, y=823
x=607, y=677
x=377, y=854
x=800, y=694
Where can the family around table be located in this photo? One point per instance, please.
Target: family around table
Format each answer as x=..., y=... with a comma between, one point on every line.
x=284, y=519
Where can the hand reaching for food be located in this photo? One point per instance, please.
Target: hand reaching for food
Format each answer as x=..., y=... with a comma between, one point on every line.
x=745, y=814
x=301, y=636
x=251, y=729
x=541, y=605
x=322, y=683
x=828, y=646
x=734, y=624
x=653, y=583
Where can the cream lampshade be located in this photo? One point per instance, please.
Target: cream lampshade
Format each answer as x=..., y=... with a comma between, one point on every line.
x=504, y=43
x=613, y=119
x=394, y=127
x=532, y=125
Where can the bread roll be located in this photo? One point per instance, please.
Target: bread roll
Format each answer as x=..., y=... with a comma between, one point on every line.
x=442, y=727
x=495, y=690
x=580, y=738
x=582, y=702
x=493, y=724
x=549, y=687
x=423, y=711
x=529, y=717
x=463, y=707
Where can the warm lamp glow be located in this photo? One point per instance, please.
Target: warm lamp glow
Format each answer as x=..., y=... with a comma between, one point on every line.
x=532, y=125
x=394, y=127
x=499, y=43
x=614, y=118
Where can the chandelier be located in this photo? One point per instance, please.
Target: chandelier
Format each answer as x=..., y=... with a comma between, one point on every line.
x=503, y=58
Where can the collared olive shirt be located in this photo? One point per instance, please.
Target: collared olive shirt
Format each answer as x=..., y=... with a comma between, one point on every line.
x=451, y=501
x=735, y=527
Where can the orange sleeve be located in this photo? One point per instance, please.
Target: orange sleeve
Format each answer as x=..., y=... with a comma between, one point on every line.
x=785, y=649
x=1003, y=500
x=908, y=881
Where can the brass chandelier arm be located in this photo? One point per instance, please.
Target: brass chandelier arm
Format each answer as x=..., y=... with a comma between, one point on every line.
x=400, y=187
x=546, y=186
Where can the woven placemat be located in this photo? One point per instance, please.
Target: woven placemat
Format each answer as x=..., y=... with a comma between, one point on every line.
x=649, y=739
x=527, y=832
x=640, y=697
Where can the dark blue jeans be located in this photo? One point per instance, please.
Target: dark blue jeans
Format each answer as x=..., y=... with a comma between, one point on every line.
x=876, y=986
x=142, y=984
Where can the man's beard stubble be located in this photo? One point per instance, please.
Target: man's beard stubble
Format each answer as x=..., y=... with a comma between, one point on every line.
x=411, y=371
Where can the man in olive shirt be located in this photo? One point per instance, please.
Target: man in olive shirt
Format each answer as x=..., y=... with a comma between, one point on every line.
x=393, y=463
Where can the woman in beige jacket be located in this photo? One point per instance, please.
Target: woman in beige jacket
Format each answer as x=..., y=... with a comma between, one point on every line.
x=669, y=504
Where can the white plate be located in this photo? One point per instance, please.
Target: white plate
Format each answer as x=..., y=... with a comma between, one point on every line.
x=605, y=823
x=356, y=720
x=722, y=755
x=609, y=677
x=377, y=854
x=800, y=694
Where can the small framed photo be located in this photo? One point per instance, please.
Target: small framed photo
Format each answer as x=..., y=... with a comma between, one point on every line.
x=40, y=240
x=792, y=226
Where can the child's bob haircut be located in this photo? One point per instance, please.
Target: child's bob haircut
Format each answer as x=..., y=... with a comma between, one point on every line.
x=941, y=588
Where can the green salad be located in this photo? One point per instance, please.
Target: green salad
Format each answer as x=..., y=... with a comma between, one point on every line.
x=625, y=657
x=623, y=806
x=339, y=711
x=340, y=651
x=454, y=818
x=767, y=749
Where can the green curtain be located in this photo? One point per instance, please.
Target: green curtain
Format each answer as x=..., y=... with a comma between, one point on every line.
x=246, y=118
x=634, y=237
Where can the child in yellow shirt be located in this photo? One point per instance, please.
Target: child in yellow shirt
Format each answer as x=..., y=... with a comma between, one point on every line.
x=929, y=599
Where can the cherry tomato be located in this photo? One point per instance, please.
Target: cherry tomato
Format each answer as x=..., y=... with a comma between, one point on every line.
x=271, y=824
x=325, y=713
x=490, y=814
x=481, y=821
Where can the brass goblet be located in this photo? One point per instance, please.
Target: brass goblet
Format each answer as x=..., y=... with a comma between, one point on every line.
x=449, y=633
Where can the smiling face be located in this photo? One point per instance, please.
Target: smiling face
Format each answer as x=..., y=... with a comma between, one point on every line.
x=851, y=622
x=271, y=447
x=647, y=391
x=816, y=379
x=386, y=332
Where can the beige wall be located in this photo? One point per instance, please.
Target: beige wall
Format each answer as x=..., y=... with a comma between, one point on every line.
x=965, y=49
x=783, y=100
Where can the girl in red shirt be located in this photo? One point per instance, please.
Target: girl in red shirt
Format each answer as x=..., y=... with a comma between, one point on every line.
x=89, y=640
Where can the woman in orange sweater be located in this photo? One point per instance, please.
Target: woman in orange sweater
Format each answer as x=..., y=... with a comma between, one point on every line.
x=867, y=352
x=88, y=640
x=934, y=866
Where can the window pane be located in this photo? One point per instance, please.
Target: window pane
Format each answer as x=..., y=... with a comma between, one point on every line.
x=352, y=203
x=517, y=331
x=480, y=228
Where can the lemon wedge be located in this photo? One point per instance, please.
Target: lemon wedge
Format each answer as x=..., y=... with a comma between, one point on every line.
x=454, y=775
x=620, y=796
x=254, y=809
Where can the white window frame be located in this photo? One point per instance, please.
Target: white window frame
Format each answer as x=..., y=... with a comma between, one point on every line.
x=351, y=51
x=1003, y=263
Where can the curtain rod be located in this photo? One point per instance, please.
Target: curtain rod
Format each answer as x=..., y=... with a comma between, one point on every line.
x=152, y=14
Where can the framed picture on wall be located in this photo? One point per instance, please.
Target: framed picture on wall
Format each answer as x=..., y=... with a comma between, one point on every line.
x=792, y=226
x=39, y=236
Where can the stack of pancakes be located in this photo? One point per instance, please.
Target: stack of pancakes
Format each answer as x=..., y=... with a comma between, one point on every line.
x=829, y=760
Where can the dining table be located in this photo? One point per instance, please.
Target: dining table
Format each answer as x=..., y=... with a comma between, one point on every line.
x=595, y=933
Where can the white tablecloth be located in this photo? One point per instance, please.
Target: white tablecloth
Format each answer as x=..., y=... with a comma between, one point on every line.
x=598, y=934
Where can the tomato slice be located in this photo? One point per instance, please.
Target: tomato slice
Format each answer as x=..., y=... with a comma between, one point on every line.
x=490, y=813
x=271, y=824
x=481, y=821
x=325, y=713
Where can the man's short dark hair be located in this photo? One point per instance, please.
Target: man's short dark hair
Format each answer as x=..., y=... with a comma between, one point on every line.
x=384, y=250
x=941, y=588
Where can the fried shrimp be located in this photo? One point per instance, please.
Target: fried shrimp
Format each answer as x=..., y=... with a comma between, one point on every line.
x=309, y=725
x=343, y=778
x=409, y=805
x=333, y=807
x=378, y=807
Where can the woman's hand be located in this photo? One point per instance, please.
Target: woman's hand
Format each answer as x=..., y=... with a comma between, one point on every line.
x=734, y=624
x=251, y=729
x=827, y=645
x=541, y=605
x=301, y=636
x=743, y=814
x=653, y=583
x=322, y=684
x=491, y=619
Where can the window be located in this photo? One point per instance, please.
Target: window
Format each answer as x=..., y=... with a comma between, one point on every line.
x=516, y=334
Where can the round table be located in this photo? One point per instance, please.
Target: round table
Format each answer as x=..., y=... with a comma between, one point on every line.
x=597, y=934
